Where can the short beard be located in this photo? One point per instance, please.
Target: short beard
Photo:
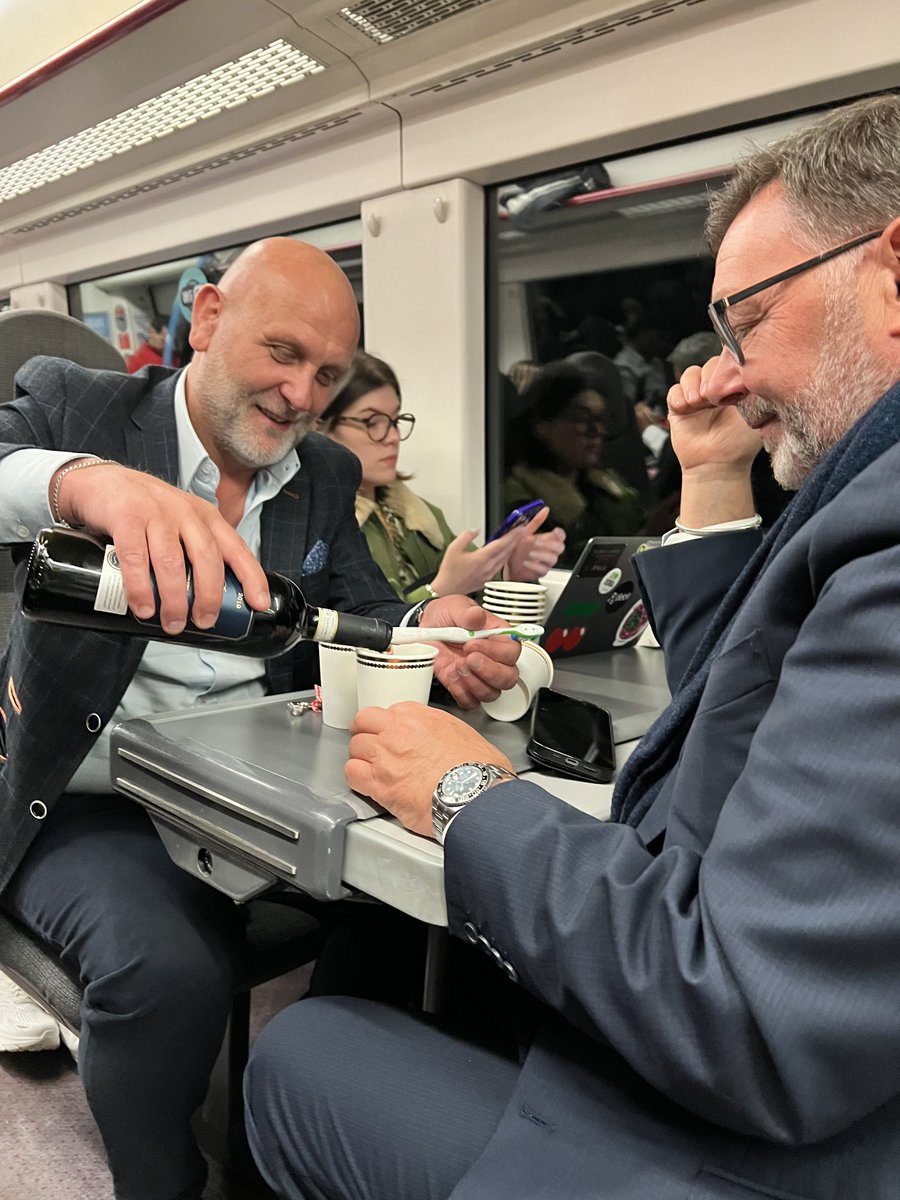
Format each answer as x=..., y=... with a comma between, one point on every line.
x=248, y=454
x=847, y=381
x=225, y=406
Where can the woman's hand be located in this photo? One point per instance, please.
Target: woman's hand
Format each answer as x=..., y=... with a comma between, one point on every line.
x=536, y=552
x=463, y=570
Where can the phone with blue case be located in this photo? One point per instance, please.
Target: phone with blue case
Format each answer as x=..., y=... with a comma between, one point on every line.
x=518, y=516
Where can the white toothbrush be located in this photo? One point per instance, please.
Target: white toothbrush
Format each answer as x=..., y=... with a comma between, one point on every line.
x=453, y=633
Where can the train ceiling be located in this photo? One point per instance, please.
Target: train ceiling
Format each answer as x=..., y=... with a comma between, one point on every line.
x=207, y=83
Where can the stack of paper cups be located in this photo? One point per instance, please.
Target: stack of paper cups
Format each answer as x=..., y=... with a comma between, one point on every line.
x=516, y=602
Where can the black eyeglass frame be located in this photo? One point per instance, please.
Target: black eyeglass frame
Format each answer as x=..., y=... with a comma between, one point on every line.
x=718, y=308
x=402, y=421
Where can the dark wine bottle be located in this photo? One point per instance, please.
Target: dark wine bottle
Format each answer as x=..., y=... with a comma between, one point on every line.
x=74, y=579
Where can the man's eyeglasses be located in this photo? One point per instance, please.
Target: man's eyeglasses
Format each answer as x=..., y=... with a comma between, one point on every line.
x=718, y=309
x=380, y=424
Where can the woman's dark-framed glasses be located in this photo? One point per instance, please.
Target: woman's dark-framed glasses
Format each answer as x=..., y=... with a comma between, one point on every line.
x=718, y=313
x=379, y=425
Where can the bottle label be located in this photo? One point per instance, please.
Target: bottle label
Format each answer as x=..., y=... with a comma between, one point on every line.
x=327, y=626
x=111, y=596
x=235, y=615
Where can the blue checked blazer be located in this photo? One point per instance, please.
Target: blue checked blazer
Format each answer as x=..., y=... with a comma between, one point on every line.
x=54, y=678
x=720, y=980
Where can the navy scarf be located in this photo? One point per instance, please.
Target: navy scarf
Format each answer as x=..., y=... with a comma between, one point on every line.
x=645, y=771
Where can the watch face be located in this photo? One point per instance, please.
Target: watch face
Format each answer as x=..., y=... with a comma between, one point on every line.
x=461, y=782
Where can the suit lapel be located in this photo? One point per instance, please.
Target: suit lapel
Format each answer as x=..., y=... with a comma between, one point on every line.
x=150, y=439
x=283, y=528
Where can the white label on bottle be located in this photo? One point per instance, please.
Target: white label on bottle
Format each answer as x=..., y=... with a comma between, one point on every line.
x=327, y=626
x=111, y=596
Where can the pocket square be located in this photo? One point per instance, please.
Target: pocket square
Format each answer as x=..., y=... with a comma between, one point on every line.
x=316, y=559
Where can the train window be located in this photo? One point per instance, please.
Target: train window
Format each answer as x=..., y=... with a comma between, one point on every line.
x=600, y=287
x=146, y=312
x=598, y=282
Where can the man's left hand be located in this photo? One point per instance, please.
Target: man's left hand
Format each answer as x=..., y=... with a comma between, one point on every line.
x=478, y=670
x=398, y=755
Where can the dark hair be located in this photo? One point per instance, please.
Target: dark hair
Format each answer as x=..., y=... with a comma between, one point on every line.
x=159, y=323
x=546, y=397
x=367, y=374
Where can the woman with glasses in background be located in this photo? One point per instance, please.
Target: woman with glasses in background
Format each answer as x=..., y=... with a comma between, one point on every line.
x=408, y=537
x=554, y=447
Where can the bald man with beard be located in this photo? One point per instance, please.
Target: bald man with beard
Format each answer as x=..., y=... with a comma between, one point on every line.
x=215, y=464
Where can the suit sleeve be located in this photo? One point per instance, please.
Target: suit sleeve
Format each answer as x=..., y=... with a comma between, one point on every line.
x=754, y=980
x=684, y=584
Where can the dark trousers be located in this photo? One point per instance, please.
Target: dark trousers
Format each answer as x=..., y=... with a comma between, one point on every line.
x=349, y=1099
x=156, y=951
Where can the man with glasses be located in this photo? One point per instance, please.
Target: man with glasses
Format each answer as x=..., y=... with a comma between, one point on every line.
x=713, y=994
x=217, y=464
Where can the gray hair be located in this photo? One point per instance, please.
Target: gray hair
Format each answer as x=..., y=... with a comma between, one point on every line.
x=840, y=175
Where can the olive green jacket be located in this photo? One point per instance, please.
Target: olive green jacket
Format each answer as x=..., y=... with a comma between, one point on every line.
x=426, y=536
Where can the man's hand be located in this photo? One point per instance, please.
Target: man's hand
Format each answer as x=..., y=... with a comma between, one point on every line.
x=398, y=755
x=716, y=448
x=477, y=670
x=154, y=524
x=535, y=552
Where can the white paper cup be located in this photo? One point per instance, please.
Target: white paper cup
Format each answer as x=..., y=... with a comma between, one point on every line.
x=337, y=672
x=405, y=673
x=535, y=671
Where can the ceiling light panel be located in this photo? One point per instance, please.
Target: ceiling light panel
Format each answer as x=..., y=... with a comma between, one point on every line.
x=386, y=20
x=225, y=87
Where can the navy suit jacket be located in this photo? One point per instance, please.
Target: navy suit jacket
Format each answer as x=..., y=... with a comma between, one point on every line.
x=53, y=678
x=722, y=983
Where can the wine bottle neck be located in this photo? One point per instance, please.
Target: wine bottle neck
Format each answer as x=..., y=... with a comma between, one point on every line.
x=323, y=624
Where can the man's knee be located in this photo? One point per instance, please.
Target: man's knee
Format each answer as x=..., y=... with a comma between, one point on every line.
x=174, y=981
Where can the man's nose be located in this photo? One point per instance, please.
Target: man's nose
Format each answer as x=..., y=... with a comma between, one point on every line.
x=297, y=389
x=725, y=383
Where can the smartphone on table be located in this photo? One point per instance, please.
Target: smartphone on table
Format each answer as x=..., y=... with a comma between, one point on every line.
x=574, y=737
x=518, y=516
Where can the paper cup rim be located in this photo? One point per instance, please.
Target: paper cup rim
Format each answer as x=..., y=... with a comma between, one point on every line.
x=411, y=653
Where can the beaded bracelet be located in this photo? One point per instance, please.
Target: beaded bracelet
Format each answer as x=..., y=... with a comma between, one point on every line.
x=431, y=592
x=75, y=466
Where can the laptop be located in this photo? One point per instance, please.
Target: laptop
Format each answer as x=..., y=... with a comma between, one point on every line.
x=600, y=608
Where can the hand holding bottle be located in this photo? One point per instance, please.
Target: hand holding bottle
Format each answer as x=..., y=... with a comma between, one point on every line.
x=154, y=524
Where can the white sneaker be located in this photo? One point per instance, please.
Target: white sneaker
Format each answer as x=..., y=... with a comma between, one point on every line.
x=24, y=1025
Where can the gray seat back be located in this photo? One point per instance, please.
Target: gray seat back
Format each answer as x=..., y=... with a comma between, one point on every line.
x=23, y=334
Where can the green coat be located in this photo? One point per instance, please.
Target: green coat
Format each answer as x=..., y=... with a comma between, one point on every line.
x=601, y=505
x=425, y=536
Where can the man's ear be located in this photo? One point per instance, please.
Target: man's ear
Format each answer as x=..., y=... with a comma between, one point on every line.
x=209, y=303
x=890, y=248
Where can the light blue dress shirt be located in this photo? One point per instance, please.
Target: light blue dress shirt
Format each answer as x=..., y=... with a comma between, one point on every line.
x=169, y=676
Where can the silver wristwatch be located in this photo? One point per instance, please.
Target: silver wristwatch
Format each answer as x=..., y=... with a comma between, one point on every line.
x=457, y=787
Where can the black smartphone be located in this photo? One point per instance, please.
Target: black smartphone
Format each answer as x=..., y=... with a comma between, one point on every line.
x=572, y=736
x=518, y=516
